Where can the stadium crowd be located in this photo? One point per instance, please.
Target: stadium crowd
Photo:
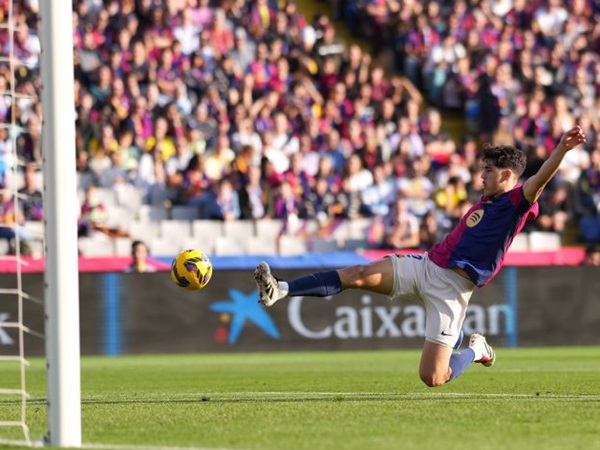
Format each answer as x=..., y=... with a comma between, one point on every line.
x=249, y=110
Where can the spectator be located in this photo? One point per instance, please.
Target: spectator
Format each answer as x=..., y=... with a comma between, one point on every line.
x=6, y=156
x=347, y=204
x=92, y=214
x=187, y=32
x=139, y=255
x=287, y=205
x=378, y=197
x=218, y=161
x=30, y=197
x=224, y=202
x=319, y=202
x=430, y=231
x=554, y=210
x=358, y=177
x=592, y=256
x=11, y=219
x=255, y=197
x=243, y=50
x=401, y=227
x=416, y=188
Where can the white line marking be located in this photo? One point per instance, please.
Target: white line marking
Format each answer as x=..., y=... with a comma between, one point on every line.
x=200, y=396
x=144, y=447
x=40, y=443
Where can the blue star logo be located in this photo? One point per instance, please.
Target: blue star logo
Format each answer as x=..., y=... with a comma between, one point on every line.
x=242, y=307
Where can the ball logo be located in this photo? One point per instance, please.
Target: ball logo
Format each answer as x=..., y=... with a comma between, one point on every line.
x=474, y=218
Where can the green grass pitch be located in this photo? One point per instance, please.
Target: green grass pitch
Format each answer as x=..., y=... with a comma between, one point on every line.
x=531, y=399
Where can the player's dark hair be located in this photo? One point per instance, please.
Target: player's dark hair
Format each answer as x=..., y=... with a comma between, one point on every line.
x=505, y=157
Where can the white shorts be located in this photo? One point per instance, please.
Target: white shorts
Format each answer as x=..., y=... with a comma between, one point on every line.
x=444, y=293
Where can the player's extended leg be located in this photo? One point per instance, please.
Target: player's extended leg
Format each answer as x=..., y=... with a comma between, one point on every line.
x=377, y=276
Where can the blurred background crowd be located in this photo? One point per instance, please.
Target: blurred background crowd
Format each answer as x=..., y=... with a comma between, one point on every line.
x=250, y=110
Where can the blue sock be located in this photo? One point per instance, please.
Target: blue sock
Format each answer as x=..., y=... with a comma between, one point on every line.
x=460, y=361
x=459, y=340
x=320, y=284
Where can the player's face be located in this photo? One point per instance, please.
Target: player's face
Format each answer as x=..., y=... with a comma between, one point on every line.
x=494, y=179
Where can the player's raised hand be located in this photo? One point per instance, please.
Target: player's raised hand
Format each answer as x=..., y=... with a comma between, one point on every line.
x=572, y=138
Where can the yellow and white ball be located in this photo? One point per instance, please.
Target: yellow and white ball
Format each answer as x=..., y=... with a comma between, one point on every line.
x=191, y=269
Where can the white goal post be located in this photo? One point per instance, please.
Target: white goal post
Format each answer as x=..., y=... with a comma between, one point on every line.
x=60, y=205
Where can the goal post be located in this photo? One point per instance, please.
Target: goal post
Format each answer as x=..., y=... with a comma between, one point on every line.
x=60, y=198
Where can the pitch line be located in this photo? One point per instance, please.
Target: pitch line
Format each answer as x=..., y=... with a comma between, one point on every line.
x=407, y=395
x=41, y=443
x=350, y=395
x=144, y=447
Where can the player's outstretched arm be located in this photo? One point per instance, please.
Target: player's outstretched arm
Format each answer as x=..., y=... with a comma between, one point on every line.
x=533, y=187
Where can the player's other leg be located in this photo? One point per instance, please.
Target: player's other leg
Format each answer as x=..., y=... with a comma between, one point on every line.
x=440, y=365
x=377, y=277
x=434, y=368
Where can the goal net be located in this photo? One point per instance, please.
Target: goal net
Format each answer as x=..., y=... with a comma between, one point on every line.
x=19, y=238
x=35, y=83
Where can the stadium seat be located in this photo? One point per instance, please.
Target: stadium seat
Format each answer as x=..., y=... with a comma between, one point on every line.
x=206, y=245
x=37, y=248
x=358, y=228
x=119, y=217
x=543, y=241
x=205, y=234
x=256, y=245
x=181, y=212
x=97, y=246
x=161, y=246
x=520, y=243
x=321, y=245
x=4, y=247
x=107, y=196
x=34, y=228
x=131, y=198
x=84, y=179
x=143, y=231
x=229, y=246
x=340, y=230
x=292, y=246
x=122, y=246
x=238, y=228
x=149, y=213
x=301, y=228
x=176, y=230
x=207, y=229
x=269, y=228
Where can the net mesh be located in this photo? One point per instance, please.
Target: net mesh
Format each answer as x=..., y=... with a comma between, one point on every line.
x=18, y=98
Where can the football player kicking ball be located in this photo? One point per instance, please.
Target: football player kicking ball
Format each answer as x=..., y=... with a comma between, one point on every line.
x=444, y=278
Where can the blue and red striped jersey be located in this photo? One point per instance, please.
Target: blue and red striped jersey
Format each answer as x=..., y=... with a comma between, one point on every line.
x=479, y=242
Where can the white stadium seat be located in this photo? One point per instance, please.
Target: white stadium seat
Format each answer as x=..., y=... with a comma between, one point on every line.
x=292, y=246
x=543, y=241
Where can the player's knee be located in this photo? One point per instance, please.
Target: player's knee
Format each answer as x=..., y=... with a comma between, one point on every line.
x=433, y=379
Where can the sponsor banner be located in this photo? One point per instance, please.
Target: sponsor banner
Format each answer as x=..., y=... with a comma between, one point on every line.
x=146, y=313
x=559, y=306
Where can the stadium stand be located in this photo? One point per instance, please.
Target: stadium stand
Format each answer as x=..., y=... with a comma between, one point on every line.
x=249, y=127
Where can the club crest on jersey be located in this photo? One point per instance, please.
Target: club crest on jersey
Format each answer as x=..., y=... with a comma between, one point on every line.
x=474, y=218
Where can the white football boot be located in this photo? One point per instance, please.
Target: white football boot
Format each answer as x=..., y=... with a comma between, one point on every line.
x=488, y=354
x=268, y=286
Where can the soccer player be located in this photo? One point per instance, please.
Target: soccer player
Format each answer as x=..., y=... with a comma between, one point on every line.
x=444, y=278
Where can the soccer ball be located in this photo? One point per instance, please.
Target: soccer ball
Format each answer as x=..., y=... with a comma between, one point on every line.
x=191, y=270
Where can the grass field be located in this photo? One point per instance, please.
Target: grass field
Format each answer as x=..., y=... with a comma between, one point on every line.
x=531, y=399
